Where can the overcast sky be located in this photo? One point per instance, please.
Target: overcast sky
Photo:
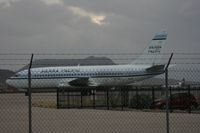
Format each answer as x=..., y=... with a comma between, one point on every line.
x=53, y=26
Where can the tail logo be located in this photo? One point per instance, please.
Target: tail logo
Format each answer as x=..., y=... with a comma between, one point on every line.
x=160, y=37
x=154, y=49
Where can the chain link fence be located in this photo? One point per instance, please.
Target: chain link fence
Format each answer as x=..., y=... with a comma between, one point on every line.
x=138, y=107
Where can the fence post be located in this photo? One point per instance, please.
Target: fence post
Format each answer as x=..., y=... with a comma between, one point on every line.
x=189, y=108
x=122, y=99
x=153, y=95
x=167, y=100
x=125, y=96
x=68, y=99
x=107, y=98
x=29, y=95
x=81, y=98
x=58, y=98
x=167, y=93
x=170, y=97
x=137, y=99
x=94, y=100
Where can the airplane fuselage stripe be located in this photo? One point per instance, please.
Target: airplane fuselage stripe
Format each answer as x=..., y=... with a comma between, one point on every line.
x=107, y=76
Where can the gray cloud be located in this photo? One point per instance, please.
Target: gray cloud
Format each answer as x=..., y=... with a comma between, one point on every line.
x=127, y=26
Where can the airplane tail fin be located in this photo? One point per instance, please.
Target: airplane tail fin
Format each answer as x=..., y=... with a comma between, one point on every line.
x=152, y=53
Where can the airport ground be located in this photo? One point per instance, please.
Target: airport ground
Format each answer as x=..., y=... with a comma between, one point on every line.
x=14, y=119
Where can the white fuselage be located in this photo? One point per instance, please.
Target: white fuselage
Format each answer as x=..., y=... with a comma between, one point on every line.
x=107, y=75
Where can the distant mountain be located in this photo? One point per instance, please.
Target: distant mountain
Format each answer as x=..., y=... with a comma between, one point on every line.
x=91, y=60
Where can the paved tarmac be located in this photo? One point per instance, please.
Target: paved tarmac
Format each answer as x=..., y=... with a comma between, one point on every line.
x=14, y=119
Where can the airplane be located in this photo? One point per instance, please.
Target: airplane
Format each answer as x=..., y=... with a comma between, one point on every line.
x=145, y=66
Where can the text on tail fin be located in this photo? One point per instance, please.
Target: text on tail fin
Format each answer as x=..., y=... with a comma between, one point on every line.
x=153, y=52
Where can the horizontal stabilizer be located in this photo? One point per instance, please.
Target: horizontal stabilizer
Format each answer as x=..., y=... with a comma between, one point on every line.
x=156, y=69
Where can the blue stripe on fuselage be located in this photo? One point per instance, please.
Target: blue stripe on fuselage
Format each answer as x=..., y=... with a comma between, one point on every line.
x=99, y=76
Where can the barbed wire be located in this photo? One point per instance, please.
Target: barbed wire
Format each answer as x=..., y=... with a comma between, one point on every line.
x=177, y=53
x=19, y=60
x=12, y=64
x=94, y=64
x=16, y=59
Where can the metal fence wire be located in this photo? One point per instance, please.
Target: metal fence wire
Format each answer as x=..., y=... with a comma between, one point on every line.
x=44, y=101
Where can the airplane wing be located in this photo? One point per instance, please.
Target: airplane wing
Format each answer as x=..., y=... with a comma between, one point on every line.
x=77, y=82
